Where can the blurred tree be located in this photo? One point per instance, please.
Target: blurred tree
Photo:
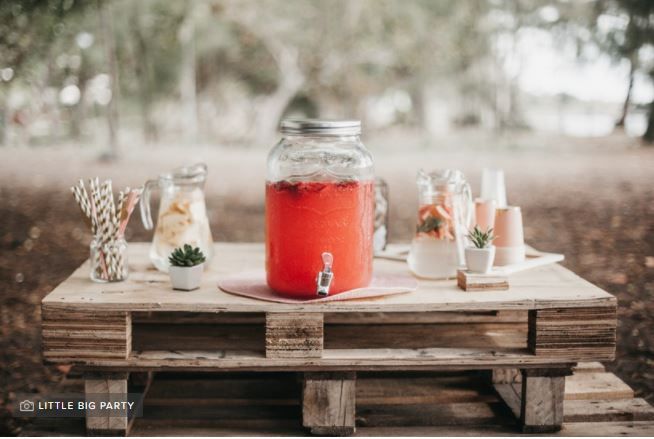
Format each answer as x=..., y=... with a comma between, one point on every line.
x=629, y=28
x=276, y=27
x=109, y=42
x=149, y=52
x=27, y=30
x=188, y=73
x=185, y=67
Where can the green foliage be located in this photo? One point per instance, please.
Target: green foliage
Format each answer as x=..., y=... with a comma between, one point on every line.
x=430, y=223
x=29, y=28
x=481, y=239
x=343, y=52
x=186, y=256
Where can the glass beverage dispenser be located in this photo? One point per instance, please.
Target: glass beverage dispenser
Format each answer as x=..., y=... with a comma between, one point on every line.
x=320, y=200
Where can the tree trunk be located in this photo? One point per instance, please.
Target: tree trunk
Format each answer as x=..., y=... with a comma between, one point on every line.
x=144, y=76
x=418, y=103
x=627, y=100
x=108, y=37
x=648, y=137
x=188, y=90
x=4, y=115
x=271, y=108
x=268, y=109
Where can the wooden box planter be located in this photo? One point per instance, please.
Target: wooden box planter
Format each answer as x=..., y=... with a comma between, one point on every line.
x=531, y=335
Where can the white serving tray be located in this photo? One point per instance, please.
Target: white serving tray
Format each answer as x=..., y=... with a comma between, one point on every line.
x=533, y=259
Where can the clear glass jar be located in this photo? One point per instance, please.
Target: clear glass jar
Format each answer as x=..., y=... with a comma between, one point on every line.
x=320, y=199
x=108, y=260
x=182, y=215
x=444, y=216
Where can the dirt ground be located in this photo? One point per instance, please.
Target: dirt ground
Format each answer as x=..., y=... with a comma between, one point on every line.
x=592, y=201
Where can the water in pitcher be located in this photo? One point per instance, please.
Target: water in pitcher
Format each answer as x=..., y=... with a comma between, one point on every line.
x=444, y=216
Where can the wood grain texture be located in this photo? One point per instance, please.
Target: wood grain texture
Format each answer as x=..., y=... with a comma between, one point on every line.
x=596, y=385
x=568, y=331
x=577, y=429
x=605, y=410
x=331, y=360
x=481, y=282
x=400, y=404
x=294, y=335
x=107, y=387
x=251, y=337
x=83, y=334
x=148, y=290
x=328, y=403
x=536, y=398
x=349, y=318
x=90, y=324
x=541, y=405
x=589, y=367
x=506, y=376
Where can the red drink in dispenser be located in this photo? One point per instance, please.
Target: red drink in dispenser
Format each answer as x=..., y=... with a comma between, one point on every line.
x=319, y=210
x=306, y=219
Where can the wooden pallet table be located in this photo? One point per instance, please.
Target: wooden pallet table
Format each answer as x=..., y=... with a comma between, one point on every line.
x=530, y=336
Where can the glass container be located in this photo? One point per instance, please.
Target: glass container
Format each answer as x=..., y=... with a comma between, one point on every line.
x=108, y=260
x=182, y=215
x=444, y=216
x=320, y=201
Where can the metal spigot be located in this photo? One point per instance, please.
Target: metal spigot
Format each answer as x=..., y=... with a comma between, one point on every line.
x=325, y=276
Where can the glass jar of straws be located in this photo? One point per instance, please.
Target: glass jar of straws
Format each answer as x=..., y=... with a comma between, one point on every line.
x=108, y=260
x=107, y=217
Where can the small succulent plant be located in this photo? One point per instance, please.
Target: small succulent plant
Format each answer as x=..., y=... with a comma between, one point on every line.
x=186, y=256
x=481, y=239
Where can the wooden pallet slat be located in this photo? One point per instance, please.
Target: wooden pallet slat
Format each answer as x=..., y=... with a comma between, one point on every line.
x=328, y=403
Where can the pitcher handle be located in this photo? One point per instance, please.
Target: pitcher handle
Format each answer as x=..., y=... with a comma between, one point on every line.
x=469, y=206
x=146, y=213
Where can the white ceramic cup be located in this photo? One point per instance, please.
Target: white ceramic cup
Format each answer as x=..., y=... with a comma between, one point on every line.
x=484, y=214
x=493, y=186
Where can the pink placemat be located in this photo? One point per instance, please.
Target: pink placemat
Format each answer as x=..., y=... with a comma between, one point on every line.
x=253, y=284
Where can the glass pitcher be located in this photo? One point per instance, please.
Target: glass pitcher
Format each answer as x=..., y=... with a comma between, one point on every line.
x=182, y=213
x=444, y=217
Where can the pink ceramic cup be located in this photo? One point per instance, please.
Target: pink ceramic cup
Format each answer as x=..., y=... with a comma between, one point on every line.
x=508, y=227
x=484, y=213
x=509, y=241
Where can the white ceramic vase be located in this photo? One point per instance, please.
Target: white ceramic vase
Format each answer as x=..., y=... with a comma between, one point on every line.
x=186, y=278
x=480, y=260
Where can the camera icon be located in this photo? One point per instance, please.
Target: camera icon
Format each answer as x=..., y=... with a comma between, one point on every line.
x=26, y=406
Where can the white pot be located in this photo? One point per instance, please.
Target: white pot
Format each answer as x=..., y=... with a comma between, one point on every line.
x=186, y=278
x=480, y=260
